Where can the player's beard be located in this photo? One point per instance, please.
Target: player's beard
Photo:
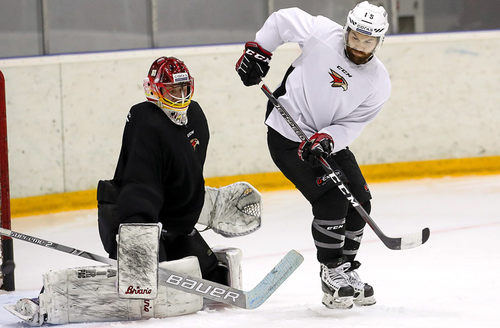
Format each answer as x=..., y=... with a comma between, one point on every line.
x=357, y=57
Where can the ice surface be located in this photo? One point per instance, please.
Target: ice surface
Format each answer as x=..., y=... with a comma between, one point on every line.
x=451, y=281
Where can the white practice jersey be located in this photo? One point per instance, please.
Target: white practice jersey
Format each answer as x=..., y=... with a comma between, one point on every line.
x=326, y=92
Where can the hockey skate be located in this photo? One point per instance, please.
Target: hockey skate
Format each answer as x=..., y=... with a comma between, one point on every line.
x=28, y=310
x=334, y=282
x=363, y=293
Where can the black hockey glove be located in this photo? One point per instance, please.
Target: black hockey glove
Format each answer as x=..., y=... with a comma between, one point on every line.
x=319, y=145
x=253, y=64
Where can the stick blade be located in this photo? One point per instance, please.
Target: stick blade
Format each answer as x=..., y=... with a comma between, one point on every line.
x=415, y=240
x=257, y=296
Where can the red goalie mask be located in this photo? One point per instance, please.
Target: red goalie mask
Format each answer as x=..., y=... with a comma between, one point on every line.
x=170, y=86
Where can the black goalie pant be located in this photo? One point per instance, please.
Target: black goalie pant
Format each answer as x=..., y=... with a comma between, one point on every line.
x=337, y=228
x=173, y=246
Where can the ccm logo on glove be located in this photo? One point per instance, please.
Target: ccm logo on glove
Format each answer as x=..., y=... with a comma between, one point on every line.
x=253, y=65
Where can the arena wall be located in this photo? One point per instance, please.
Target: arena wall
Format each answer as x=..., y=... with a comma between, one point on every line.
x=66, y=113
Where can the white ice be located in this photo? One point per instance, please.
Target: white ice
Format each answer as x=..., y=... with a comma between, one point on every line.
x=451, y=281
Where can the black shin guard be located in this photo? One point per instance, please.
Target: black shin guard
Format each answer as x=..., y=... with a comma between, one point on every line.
x=328, y=227
x=355, y=225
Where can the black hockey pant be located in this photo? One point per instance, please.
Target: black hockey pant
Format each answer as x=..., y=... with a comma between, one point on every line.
x=337, y=228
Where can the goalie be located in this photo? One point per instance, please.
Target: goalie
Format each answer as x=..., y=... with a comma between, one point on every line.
x=157, y=196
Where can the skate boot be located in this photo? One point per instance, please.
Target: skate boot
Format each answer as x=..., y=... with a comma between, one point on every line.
x=28, y=310
x=363, y=293
x=334, y=283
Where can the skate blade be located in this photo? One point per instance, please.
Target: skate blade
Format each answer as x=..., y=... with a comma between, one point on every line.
x=12, y=309
x=365, y=301
x=343, y=303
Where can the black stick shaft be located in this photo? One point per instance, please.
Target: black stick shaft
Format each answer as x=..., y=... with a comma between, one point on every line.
x=58, y=247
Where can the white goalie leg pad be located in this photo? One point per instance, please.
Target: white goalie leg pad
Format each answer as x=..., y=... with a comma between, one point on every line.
x=233, y=210
x=84, y=294
x=88, y=294
x=138, y=251
x=172, y=302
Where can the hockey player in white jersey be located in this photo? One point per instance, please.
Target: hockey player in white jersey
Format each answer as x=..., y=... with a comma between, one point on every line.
x=332, y=90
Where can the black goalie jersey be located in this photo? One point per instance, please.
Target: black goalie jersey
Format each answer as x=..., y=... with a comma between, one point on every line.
x=160, y=168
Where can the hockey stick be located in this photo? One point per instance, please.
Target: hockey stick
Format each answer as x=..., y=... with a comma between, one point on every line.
x=194, y=285
x=406, y=242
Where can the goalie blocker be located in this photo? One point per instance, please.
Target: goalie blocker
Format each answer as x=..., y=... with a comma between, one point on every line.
x=138, y=250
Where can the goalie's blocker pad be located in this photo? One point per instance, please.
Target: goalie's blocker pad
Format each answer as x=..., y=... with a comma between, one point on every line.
x=233, y=210
x=138, y=251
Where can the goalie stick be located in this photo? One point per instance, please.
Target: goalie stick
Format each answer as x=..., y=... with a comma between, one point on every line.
x=194, y=285
x=405, y=242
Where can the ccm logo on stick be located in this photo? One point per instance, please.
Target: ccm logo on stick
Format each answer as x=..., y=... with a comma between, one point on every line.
x=198, y=286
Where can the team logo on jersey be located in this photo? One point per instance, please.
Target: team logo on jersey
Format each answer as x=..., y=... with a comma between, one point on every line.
x=338, y=80
x=195, y=142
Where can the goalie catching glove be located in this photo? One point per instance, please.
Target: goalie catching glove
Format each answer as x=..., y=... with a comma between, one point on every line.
x=253, y=64
x=233, y=210
x=319, y=145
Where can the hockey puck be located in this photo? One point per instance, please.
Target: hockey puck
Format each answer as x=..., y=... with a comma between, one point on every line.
x=8, y=267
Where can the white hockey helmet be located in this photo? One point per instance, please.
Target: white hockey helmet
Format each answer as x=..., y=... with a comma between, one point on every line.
x=367, y=19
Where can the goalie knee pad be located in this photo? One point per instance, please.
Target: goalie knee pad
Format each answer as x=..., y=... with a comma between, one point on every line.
x=229, y=264
x=230, y=258
x=89, y=294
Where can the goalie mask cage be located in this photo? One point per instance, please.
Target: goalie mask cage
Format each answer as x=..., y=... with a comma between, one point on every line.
x=6, y=247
